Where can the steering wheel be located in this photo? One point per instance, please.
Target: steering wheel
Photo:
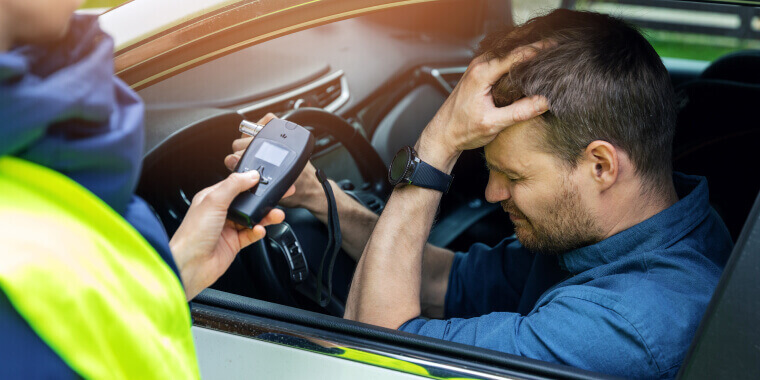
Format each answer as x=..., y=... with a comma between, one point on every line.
x=274, y=262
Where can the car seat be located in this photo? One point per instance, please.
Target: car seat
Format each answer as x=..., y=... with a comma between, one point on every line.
x=718, y=132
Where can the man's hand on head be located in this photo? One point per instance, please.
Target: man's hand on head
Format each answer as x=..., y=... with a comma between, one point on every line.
x=469, y=119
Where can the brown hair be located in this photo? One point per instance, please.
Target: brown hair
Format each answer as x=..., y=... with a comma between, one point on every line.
x=603, y=80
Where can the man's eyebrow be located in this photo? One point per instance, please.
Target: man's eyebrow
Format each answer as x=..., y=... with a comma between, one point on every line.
x=492, y=167
x=495, y=168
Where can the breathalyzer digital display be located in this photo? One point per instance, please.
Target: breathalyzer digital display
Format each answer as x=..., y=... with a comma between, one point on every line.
x=271, y=153
x=279, y=152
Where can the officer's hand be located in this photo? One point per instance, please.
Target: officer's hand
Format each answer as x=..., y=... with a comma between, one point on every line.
x=308, y=189
x=468, y=118
x=206, y=242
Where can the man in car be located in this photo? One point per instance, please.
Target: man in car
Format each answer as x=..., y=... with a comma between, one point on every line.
x=614, y=256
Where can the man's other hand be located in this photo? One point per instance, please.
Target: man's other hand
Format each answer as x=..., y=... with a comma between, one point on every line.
x=469, y=119
x=206, y=242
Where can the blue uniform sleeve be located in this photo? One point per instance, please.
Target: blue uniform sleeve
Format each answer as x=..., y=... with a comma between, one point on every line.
x=567, y=330
x=139, y=214
x=487, y=279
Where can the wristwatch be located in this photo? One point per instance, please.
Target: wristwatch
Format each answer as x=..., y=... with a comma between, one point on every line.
x=408, y=169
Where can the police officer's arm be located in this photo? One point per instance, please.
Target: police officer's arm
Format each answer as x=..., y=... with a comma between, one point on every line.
x=356, y=225
x=206, y=242
x=387, y=283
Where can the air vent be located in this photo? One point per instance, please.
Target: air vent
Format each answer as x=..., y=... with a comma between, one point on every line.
x=329, y=93
x=321, y=97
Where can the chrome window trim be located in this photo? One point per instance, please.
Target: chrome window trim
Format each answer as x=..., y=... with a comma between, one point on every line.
x=332, y=107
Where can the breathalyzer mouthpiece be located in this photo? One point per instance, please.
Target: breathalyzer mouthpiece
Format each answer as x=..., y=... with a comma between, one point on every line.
x=249, y=128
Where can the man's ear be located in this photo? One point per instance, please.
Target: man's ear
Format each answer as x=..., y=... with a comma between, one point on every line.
x=601, y=162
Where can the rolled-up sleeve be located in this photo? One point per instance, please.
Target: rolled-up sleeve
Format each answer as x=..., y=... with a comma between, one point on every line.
x=567, y=330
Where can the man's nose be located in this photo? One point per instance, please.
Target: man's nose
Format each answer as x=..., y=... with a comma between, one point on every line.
x=497, y=190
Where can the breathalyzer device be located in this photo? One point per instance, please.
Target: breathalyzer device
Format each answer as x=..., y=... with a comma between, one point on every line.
x=279, y=152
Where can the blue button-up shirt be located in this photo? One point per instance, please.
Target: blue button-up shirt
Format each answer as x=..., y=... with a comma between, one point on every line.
x=628, y=305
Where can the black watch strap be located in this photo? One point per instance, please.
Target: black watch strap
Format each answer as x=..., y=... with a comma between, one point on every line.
x=429, y=177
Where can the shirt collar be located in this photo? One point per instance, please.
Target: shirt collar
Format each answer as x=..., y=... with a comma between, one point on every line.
x=662, y=229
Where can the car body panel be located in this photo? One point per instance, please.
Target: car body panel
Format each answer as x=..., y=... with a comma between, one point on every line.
x=227, y=356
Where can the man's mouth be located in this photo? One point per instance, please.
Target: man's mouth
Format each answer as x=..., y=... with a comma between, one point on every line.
x=514, y=215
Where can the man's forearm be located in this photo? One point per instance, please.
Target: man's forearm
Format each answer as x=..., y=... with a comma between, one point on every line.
x=356, y=221
x=389, y=274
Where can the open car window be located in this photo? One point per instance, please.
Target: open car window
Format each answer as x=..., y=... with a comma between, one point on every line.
x=192, y=113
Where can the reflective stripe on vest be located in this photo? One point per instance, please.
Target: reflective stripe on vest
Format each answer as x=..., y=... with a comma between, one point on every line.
x=87, y=282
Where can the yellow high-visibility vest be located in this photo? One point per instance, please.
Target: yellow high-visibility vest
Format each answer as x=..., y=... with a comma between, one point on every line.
x=87, y=282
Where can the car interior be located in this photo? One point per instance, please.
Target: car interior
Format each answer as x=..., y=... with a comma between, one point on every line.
x=367, y=86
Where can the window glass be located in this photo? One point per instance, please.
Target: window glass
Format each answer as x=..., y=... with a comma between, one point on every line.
x=697, y=31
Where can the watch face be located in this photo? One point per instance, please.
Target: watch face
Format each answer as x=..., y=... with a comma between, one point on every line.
x=398, y=166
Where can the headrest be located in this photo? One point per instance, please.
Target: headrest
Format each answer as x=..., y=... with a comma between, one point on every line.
x=741, y=66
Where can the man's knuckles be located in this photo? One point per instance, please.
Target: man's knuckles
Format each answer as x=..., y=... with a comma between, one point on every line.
x=479, y=70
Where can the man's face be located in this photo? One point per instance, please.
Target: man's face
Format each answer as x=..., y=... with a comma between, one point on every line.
x=543, y=197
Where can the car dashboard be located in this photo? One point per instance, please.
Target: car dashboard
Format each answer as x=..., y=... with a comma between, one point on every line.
x=385, y=73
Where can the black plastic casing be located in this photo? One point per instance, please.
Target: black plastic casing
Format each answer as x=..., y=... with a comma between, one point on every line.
x=251, y=206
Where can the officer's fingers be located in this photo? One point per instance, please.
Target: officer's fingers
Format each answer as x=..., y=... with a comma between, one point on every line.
x=248, y=236
x=235, y=226
x=521, y=110
x=232, y=225
x=227, y=190
x=199, y=196
x=238, y=226
x=276, y=216
x=241, y=143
